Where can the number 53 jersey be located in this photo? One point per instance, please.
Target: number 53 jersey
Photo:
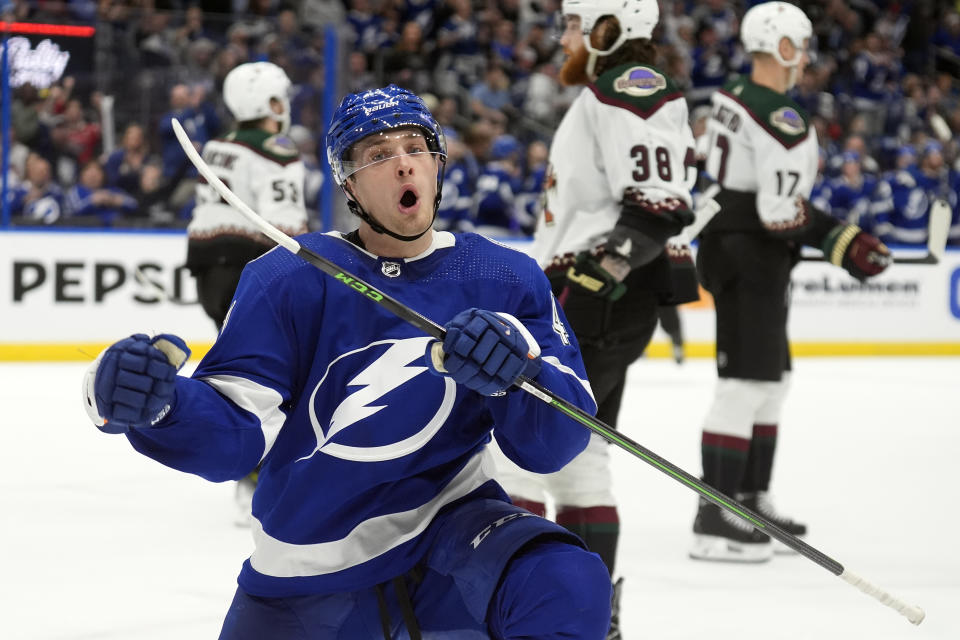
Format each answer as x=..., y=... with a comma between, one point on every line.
x=760, y=146
x=626, y=131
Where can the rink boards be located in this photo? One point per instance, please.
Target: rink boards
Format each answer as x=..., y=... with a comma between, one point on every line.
x=65, y=295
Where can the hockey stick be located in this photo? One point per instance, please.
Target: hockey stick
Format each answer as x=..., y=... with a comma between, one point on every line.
x=937, y=230
x=913, y=613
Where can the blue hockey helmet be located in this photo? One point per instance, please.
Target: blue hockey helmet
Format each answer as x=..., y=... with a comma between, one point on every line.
x=362, y=114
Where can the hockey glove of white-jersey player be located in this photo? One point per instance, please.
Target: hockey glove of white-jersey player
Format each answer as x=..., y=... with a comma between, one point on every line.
x=588, y=295
x=861, y=254
x=132, y=383
x=485, y=351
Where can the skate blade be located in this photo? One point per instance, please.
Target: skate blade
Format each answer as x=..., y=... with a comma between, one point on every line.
x=720, y=549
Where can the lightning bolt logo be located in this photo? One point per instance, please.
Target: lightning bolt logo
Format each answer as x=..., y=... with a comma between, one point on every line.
x=389, y=371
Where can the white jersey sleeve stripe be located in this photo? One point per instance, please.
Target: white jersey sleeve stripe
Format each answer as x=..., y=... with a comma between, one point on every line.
x=555, y=362
x=258, y=399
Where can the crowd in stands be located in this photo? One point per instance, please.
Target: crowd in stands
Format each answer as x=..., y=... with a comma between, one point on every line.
x=883, y=91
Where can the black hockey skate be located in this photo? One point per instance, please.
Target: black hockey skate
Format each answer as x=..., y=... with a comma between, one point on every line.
x=761, y=503
x=614, y=632
x=724, y=537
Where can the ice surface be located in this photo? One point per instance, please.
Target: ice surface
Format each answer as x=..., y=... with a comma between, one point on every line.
x=101, y=543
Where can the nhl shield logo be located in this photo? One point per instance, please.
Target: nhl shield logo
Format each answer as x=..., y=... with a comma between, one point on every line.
x=390, y=269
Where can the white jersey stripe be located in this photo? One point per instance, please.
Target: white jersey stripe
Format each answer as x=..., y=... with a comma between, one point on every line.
x=369, y=539
x=258, y=399
x=555, y=362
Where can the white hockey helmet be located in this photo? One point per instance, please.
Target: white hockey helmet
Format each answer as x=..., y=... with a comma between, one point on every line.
x=248, y=89
x=637, y=19
x=765, y=25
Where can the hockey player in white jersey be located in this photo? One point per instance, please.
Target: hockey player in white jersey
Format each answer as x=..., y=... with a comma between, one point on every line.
x=763, y=153
x=262, y=165
x=376, y=515
x=617, y=187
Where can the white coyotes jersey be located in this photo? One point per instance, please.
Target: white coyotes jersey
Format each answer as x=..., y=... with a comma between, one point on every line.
x=628, y=130
x=265, y=172
x=759, y=141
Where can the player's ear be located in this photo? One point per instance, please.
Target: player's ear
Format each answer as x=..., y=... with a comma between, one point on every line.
x=787, y=50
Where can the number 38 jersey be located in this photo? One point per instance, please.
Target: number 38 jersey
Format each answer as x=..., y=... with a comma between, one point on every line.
x=628, y=131
x=763, y=153
x=265, y=172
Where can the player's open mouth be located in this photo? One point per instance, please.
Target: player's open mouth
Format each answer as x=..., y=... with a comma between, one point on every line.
x=409, y=200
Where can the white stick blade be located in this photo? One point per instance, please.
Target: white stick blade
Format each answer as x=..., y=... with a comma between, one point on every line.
x=940, y=215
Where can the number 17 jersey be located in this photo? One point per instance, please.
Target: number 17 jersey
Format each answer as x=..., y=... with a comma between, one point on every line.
x=760, y=142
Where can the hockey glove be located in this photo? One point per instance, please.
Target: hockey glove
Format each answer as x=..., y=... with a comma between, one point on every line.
x=131, y=384
x=588, y=295
x=485, y=351
x=861, y=254
x=588, y=277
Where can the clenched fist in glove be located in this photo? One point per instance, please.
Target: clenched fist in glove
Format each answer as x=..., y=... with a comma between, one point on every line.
x=589, y=293
x=131, y=384
x=485, y=351
x=860, y=253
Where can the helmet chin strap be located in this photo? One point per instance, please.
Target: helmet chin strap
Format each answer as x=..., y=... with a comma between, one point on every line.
x=596, y=53
x=790, y=65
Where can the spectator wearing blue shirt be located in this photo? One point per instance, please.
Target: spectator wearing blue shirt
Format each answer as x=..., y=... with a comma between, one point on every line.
x=124, y=165
x=194, y=29
x=200, y=121
x=946, y=42
x=874, y=73
x=37, y=199
x=92, y=200
x=458, y=33
x=504, y=44
x=496, y=210
x=711, y=60
x=456, y=204
x=534, y=173
x=492, y=93
x=420, y=11
x=820, y=194
x=366, y=26
x=914, y=190
x=720, y=16
x=852, y=191
x=409, y=63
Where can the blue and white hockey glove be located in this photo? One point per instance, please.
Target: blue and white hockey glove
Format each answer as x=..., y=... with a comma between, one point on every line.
x=485, y=351
x=131, y=384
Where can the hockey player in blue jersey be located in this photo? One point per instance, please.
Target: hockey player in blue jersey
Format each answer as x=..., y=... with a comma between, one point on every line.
x=497, y=210
x=914, y=190
x=375, y=515
x=854, y=196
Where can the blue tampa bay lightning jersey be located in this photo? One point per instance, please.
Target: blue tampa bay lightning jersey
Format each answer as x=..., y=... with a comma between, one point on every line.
x=361, y=446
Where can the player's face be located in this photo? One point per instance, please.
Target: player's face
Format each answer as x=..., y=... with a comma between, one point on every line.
x=396, y=181
x=572, y=37
x=573, y=72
